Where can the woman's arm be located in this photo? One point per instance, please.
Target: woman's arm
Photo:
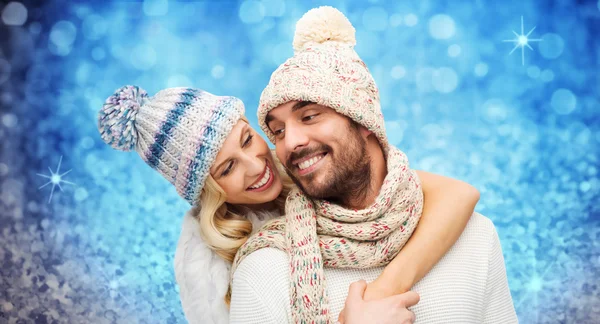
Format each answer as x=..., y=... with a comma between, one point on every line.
x=447, y=207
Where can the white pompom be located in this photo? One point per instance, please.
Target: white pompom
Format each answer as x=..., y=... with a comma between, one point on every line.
x=321, y=25
x=117, y=118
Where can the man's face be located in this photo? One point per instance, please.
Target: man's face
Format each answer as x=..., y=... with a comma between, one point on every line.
x=324, y=152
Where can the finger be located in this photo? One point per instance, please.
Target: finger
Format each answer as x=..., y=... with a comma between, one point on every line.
x=408, y=299
x=406, y=317
x=342, y=318
x=356, y=291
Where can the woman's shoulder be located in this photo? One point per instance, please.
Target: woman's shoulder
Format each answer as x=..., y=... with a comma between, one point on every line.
x=191, y=248
x=201, y=275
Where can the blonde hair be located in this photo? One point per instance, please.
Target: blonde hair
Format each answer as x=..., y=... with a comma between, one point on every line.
x=225, y=227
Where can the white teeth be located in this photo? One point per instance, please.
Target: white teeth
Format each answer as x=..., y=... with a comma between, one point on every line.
x=309, y=162
x=264, y=179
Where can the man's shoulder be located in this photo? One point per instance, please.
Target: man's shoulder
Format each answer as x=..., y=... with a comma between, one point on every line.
x=481, y=220
x=262, y=278
x=260, y=288
x=476, y=240
x=264, y=264
x=480, y=225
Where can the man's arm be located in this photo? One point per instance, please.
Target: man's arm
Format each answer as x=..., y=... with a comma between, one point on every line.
x=499, y=306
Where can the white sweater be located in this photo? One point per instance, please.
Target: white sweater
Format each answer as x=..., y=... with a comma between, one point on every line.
x=468, y=285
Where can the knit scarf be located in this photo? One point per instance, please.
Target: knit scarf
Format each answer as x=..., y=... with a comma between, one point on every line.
x=317, y=234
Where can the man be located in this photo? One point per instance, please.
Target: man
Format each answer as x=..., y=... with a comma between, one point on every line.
x=321, y=109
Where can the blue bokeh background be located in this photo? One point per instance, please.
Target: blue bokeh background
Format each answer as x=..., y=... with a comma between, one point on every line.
x=524, y=130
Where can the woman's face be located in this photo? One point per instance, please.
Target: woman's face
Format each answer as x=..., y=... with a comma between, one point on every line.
x=245, y=169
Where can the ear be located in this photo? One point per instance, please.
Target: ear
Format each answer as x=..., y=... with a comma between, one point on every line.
x=364, y=132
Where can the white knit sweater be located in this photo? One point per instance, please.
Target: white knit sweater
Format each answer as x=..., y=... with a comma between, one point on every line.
x=468, y=285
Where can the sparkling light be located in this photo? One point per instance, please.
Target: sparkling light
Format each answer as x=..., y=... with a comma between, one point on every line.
x=563, y=101
x=396, y=20
x=522, y=40
x=14, y=14
x=252, y=12
x=55, y=179
x=454, y=50
x=536, y=284
x=156, y=7
x=441, y=27
x=398, y=72
x=411, y=20
x=218, y=71
x=375, y=19
x=481, y=69
x=113, y=286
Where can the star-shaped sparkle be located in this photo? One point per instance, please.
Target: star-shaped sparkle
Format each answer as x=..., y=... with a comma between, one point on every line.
x=55, y=179
x=113, y=287
x=522, y=41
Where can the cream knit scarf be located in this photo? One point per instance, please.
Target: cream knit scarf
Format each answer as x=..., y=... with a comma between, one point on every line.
x=316, y=233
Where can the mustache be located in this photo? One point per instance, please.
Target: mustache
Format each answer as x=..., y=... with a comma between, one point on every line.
x=304, y=153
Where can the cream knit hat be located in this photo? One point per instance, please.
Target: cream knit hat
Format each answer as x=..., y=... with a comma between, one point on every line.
x=326, y=70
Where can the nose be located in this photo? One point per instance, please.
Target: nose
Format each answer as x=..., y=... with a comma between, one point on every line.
x=295, y=137
x=253, y=163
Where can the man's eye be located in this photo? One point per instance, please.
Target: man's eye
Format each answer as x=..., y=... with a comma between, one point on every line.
x=278, y=132
x=308, y=118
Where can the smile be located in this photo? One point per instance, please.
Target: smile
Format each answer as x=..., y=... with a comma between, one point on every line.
x=264, y=181
x=310, y=164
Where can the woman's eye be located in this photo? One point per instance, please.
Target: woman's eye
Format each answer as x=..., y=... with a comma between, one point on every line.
x=247, y=141
x=228, y=169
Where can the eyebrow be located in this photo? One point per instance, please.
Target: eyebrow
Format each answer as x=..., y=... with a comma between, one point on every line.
x=299, y=105
x=244, y=131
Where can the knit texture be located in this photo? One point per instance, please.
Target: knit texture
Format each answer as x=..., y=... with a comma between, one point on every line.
x=178, y=132
x=468, y=285
x=316, y=233
x=326, y=70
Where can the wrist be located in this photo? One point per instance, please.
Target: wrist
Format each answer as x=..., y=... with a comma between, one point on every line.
x=399, y=279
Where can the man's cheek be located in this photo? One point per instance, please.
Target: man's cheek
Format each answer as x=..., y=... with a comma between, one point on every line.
x=280, y=155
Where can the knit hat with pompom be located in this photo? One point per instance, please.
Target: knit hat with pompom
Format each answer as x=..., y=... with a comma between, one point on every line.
x=178, y=132
x=326, y=70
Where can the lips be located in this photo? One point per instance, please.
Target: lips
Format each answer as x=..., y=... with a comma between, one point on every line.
x=310, y=163
x=306, y=163
x=264, y=181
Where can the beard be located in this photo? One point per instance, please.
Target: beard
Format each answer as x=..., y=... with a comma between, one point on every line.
x=347, y=176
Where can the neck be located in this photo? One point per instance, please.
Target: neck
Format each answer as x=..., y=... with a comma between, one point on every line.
x=271, y=205
x=365, y=195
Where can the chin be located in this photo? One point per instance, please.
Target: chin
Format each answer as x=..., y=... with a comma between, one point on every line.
x=277, y=188
x=270, y=195
x=312, y=189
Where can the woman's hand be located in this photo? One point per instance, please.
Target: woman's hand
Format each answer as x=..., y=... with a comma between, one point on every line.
x=390, y=310
x=379, y=289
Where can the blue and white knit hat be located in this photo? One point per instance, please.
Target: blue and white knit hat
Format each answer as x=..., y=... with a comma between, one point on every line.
x=178, y=131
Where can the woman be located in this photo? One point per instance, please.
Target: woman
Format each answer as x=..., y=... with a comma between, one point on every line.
x=204, y=146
